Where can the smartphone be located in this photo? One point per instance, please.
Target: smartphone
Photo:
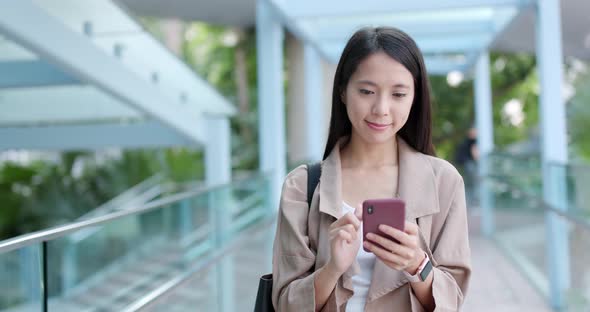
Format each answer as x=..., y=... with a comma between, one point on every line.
x=390, y=211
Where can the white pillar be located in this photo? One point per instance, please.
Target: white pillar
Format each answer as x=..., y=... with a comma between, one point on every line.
x=271, y=103
x=218, y=151
x=553, y=144
x=314, y=109
x=485, y=139
x=296, y=118
x=218, y=172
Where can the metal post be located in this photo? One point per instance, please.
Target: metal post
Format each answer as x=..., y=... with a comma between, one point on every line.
x=485, y=140
x=271, y=102
x=44, y=290
x=218, y=172
x=554, y=144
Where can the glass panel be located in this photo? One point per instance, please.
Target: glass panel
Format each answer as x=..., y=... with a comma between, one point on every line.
x=520, y=229
x=20, y=280
x=112, y=266
x=578, y=197
x=579, y=295
x=521, y=220
x=205, y=291
x=519, y=214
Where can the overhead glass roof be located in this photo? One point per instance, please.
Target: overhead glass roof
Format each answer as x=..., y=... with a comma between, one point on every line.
x=53, y=80
x=450, y=33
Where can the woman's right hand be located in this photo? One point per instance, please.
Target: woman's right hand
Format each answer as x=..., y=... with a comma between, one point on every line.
x=345, y=242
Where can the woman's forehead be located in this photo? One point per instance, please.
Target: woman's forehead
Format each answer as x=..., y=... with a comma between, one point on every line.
x=379, y=68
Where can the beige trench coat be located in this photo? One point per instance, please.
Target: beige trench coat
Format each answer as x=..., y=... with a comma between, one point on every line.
x=435, y=198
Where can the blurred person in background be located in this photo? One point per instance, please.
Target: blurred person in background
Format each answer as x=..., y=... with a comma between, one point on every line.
x=466, y=157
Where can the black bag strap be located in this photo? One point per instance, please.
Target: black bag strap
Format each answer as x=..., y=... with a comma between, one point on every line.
x=314, y=171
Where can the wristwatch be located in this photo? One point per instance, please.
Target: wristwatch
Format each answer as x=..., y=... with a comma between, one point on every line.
x=422, y=273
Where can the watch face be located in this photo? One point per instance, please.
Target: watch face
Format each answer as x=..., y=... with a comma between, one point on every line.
x=426, y=271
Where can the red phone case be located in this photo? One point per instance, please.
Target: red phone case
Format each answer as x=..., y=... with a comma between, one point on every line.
x=390, y=211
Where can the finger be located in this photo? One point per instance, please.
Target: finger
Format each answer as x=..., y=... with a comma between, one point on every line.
x=390, y=245
x=340, y=235
x=350, y=229
x=344, y=235
x=393, y=247
x=402, y=237
x=386, y=255
x=349, y=218
x=358, y=212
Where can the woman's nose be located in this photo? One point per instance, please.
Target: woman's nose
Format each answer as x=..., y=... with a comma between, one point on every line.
x=381, y=106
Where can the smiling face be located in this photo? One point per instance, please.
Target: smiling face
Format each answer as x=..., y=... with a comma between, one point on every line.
x=378, y=98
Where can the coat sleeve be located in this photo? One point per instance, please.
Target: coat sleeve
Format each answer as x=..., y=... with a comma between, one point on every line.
x=293, y=259
x=451, y=256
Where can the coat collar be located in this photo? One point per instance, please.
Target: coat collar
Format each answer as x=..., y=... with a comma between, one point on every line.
x=416, y=186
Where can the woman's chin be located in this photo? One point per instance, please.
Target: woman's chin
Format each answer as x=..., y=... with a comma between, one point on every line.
x=381, y=138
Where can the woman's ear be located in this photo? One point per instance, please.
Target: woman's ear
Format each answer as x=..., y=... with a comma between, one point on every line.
x=342, y=97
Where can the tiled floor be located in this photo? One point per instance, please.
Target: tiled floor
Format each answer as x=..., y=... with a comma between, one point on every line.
x=496, y=285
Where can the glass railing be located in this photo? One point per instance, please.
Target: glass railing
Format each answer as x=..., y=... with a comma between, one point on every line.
x=522, y=218
x=131, y=253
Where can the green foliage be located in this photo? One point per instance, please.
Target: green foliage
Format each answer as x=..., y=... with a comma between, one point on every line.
x=579, y=117
x=513, y=76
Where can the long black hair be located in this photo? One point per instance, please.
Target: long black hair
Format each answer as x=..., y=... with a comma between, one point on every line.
x=417, y=131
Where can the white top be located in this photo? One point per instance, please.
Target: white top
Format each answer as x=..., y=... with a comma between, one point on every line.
x=362, y=281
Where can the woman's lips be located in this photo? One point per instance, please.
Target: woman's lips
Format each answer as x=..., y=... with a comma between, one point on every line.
x=376, y=126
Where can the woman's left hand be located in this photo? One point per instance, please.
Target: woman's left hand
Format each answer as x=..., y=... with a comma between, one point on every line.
x=405, y=255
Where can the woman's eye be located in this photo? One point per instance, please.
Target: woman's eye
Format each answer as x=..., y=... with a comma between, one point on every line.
x=365, y=91
x=399, y=95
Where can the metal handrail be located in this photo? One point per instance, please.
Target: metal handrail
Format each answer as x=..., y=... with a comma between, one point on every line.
x=60, y=231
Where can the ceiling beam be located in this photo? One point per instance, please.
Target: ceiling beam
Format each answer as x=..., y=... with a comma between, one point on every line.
x=19, y=74
x=343, y=31
x=92, y=136
x=314, y=8
x=33, y=28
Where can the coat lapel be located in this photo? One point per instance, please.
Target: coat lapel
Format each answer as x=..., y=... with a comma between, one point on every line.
x=416, y=186
x=331, y=204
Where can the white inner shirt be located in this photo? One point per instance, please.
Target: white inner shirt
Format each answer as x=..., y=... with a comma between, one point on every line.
x=362, y=281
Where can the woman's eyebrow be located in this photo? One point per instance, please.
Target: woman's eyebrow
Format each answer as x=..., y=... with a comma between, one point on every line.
x=401, y=86
x=369, y=82
x=397, y=85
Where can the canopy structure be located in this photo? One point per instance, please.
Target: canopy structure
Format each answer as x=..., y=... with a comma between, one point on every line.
x=450, y=34
x=85, y=75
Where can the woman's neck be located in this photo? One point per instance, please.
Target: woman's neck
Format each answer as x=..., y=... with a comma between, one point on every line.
x=360, y=154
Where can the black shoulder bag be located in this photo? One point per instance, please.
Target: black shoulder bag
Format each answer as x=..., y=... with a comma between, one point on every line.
x=264, y=296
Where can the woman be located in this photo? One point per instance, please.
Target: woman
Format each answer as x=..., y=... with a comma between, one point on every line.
x=379, y=146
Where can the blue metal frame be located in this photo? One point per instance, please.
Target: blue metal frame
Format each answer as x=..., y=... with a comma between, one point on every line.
x=92, y=136
x=28, y=74
x=326, y=25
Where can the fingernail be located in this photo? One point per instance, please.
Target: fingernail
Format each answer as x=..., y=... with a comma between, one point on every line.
x=369, y=235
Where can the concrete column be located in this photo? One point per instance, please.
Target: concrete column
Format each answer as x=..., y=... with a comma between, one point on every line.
x=313, y=104
x=296, y=120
